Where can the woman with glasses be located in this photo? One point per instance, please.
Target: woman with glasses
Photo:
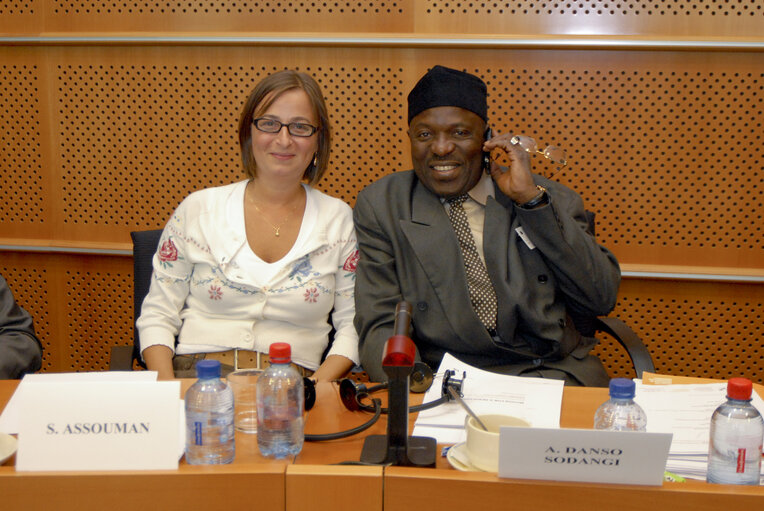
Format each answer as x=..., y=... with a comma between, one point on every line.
x=266, y=259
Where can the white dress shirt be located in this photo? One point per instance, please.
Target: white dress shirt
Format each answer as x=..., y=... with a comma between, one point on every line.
x=474, y=208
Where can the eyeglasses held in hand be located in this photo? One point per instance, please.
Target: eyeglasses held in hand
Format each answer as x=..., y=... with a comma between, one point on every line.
x=297, y=129
x=552, y=153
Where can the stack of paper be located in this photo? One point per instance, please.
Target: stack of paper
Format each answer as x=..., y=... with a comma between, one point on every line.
x=685, y=410
x=536, y=400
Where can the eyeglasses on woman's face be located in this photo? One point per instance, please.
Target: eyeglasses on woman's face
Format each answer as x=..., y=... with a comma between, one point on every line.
x=297, y=129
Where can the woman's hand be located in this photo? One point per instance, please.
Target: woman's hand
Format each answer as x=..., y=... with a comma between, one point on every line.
x=333, y=368
x=159, y=358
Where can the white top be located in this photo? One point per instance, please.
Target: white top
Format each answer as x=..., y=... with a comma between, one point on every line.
x=209, y=288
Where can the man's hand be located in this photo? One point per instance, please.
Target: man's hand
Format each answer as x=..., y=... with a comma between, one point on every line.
x=516, y=181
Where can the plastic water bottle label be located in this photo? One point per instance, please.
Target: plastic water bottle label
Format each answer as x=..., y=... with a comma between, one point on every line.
x=198, y=433
x=734, y=457
x=740, y=461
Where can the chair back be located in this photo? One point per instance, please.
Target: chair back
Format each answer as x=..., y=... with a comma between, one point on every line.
x=145, y=245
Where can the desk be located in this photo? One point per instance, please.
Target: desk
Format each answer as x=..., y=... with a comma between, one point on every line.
x=415, y=488
x=309, y=482
x=314, y=486
x=251, y=479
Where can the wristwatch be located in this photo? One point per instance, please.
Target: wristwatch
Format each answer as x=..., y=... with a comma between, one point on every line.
x=538, y=200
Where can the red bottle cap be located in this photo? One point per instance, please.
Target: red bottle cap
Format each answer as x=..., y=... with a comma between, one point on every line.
x=280, y=353
x=739, y=388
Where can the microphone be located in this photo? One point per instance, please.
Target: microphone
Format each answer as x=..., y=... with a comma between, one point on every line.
x=397, y=447
x=399, y=349
x=402, y=319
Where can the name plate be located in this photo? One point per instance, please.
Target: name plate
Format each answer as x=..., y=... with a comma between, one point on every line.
x=99, y=425
x=583, y=455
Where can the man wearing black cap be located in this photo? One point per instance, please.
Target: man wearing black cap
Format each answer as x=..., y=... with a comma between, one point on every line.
x=492, y=259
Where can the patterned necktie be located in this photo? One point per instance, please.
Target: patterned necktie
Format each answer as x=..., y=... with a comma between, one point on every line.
x=482, y=294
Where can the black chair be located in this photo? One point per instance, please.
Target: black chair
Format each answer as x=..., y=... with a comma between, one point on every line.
x=588, y=326
x=145, y=245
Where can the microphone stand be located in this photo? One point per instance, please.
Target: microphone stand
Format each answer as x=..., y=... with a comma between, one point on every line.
x=397, y=447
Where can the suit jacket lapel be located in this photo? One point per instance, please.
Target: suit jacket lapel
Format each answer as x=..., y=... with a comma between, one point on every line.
x=430, y=234
x=496, y=239
x=434, y=243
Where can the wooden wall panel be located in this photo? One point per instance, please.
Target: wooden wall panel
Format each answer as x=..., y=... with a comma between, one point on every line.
x=81, y=305
x=225, y=16
x=136, y=134
x=21, y=16
x=667, y=18
x=664, y=147
x=29, y=279
x=703, y=329
x=673, y=18
x=25, y=208
x=104, y=136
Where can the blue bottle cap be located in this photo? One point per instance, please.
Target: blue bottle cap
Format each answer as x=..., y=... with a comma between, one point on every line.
x=622, y=388
x=208, y=369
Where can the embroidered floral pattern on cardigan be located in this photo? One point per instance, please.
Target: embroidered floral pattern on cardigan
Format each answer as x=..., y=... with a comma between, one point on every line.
x=168, y=253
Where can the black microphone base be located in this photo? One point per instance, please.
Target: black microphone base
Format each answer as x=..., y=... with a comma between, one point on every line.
x=421, y=451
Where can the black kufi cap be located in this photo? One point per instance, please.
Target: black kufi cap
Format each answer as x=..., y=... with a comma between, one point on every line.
x=442, y=86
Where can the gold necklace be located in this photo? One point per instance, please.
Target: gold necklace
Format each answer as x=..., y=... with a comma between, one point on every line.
x=276, y=228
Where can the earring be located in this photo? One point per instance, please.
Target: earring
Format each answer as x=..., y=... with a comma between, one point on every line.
x=313, y=166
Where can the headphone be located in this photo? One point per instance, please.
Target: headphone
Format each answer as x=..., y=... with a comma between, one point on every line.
x=352, y=394
x=404, y=375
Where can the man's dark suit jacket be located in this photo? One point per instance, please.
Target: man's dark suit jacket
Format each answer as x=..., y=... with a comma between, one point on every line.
x=20, y=350
x=409, y=251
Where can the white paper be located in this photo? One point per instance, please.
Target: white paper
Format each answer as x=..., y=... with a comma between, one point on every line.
x=105, y=426
x=583, y=455
x=685, y=410
x=536, y=400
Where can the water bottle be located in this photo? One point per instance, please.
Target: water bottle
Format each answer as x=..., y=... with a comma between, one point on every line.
x=737, y=429
x=280, y=398
x=620, y=412
x=209, y=417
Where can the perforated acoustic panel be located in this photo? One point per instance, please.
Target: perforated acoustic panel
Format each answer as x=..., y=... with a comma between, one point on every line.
x=99, y=301
x=228, y=7
x=647, y=17
x=22, y=179
x=137, y=139
x=29, y=284
x=664, y=147
x=695, y=8
x=81, y=305
x=165, y=16
x=660, y=153
x=678, y=18
x=700, y=329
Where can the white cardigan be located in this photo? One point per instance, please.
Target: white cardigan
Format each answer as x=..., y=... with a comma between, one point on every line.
x=200, y=294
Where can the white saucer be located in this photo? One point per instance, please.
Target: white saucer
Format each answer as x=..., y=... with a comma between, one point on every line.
x=458, y=458
x=7, y=447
